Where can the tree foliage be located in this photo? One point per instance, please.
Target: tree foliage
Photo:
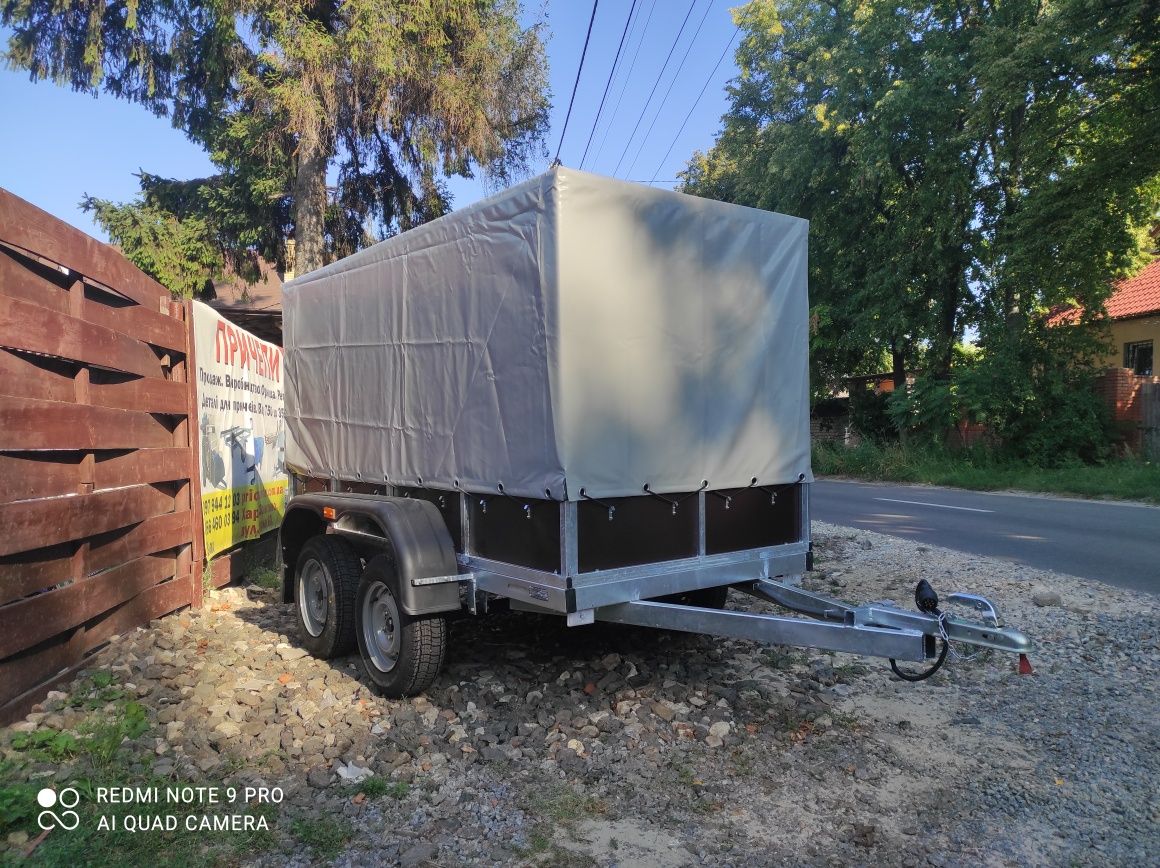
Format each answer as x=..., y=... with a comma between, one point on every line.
x=965, y=164
x=386, y=98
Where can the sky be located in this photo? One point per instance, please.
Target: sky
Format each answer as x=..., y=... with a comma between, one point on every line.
x=57, y=145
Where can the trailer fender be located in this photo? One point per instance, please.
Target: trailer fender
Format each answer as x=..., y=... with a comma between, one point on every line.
x=410, y=531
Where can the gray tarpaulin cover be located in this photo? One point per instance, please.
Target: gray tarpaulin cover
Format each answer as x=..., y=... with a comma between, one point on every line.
x=573, y=332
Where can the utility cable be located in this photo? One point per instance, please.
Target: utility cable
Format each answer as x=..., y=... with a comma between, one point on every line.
x=669, y=90
x=624, y=85
x=694, y=105
x=627, y=79
x=576, y=85
x=608, y=84
x=656, y=84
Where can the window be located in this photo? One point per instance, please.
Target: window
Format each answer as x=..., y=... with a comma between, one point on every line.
x=1138, y=357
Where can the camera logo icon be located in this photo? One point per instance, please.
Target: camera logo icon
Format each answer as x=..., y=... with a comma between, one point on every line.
x=49, y=798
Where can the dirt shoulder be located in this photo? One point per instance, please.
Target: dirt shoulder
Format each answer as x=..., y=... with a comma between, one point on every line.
x=607, y=745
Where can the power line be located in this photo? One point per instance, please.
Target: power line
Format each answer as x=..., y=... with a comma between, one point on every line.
x=732, y=39
x=608, y=84
x=668, y=57
x=627, y=79
x=576, y=85
x=676, y=75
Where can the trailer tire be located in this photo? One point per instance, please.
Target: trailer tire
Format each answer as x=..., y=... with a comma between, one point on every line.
x=402, y=653
x=326, y=581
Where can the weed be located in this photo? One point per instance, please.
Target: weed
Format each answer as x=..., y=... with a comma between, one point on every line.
x=562, y=804
x=843, y=720
x=104, y=736
x=783, y=657
x=48, y=745
x=538, y=842
x=265, y=577
x=326, y=836
x=18, y=806
x=376, y=788
x=742, y=763
x=848, y=671
x=686, y=776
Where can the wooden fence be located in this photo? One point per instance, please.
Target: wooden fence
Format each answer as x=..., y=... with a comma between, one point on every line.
x=99, y=517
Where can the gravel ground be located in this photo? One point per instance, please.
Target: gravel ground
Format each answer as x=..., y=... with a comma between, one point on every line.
x=617, y=746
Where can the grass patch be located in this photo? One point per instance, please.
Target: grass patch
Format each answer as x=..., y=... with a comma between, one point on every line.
x=556, y=808
x=100, y=752
x=265, y=577
x=981, y=470
x=377, y=787
x=561, y=804
x=326, y=836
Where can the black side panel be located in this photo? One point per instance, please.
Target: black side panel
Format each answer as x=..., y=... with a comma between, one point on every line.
x=447, y=502
x=643, y=530
x=748, y=520
x=502, y=530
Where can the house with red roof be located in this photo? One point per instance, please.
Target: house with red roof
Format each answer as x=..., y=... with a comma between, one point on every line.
x=1131, y=386
x=1134, y=311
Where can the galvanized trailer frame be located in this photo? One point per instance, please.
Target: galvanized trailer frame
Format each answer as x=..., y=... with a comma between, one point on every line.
x=630, y=594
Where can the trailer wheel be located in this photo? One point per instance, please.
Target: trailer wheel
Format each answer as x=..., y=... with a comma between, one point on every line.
x=325, y=586
x=402, y=653
x=705, y=598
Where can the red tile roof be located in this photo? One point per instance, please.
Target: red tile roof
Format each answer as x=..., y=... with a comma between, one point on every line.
x=1134, y=296
x=1137, y=295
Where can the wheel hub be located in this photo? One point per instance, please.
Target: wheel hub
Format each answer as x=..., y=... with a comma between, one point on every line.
x=314, y=597
x=380, y=627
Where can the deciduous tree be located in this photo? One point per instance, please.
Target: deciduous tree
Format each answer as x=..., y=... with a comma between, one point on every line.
x=965, y=164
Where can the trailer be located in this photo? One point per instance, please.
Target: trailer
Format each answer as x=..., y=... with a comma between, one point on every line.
x=581, y=397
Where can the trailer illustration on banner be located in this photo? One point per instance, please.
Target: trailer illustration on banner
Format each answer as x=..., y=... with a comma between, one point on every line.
x=582, y=397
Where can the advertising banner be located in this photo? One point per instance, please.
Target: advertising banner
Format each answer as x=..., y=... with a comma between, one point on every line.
x=242, y=433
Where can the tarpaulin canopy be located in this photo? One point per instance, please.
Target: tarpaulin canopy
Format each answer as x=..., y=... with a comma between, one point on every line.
x=571, y=333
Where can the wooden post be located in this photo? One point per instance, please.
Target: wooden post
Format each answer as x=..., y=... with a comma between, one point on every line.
x=195, y=479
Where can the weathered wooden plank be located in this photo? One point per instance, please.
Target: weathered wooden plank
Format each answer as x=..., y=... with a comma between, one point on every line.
x=25, y=475
x=141, y=466
x=151, y=603
x=25, y=226
x=29, y=376
x=29, y=475
x=25, y=572
x=25, y=670
x=138, y=322
x=27, y=423
x=23, y=376
x=147, y=394
x=30, y=524
x=30, y=327
x=26, y=678
x=35, y=619
x=28, y=280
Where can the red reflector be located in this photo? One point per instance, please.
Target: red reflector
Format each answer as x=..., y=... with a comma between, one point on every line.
x=329, y=513
x=1025, y=665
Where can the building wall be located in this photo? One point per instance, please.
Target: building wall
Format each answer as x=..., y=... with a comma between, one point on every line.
x=1122, y=391
x=1130, y=330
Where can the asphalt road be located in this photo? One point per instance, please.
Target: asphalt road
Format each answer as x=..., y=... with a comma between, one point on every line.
x=1117, y=543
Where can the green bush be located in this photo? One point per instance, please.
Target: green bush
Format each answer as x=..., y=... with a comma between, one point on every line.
x=985, y=469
